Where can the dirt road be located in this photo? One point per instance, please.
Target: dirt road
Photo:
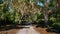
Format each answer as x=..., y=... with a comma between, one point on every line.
x=29, y=30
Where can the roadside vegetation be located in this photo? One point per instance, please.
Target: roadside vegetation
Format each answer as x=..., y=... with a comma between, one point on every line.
x=43, y=13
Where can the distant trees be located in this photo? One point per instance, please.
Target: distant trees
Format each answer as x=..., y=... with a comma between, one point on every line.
x=28, y=11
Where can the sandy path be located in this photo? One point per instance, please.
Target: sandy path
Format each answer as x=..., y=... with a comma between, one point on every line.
x=27, y=31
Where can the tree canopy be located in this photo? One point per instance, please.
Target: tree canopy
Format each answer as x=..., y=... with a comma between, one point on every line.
x=16, y=11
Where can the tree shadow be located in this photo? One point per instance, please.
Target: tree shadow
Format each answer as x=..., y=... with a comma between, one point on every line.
x=41, y=24
x=9, y=27
x=55, y=30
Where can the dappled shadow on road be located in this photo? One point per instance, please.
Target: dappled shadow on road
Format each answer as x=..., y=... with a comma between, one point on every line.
x=9, y=27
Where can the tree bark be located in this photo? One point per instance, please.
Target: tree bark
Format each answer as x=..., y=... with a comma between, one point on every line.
x=46, y=18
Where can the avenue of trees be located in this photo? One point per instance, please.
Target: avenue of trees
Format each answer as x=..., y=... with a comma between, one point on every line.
x=45, y=12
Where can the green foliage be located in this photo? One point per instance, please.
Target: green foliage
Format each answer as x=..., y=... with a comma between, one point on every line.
x=56, y=25
x=11, y=15
x=31, y=12
x=17, y=17
x=52, y=19
x=51, y=4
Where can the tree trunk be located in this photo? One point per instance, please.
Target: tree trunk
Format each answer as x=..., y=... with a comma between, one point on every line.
x=46, y=19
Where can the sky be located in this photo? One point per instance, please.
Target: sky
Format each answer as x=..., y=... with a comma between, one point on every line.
x=41, y=4
x=0, y=1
